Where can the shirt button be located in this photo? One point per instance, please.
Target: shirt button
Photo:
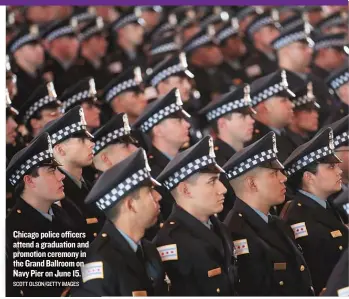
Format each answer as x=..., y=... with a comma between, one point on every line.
x=19, y=211
x=95, y=235
x=302, y=268
x=281, y=283
x=240, y=214
x=104, y=235
x=299, y=204
x=218, y=290
x=340, y=247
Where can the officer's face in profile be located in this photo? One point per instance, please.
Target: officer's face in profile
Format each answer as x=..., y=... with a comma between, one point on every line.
x=239, y=126
x=266, y=35
x=205, y=193
x=47, y=115
x=299, y=54
x=66, y=46
x=270, y=185
x=115, y=153
x=182, y=83
x=210, y=56
x=279, y=110
x=32, y=53
x=326, y=181
x=97, y=45
x=77, y=151
x=48, y=185
x=306, y=120
x=11, y=132
x=333, y=58
x=343, y=154
x=146, y=206
x=130, y=102
x=91, y=113
x=173, y=131
x=343, y=93
x=133, y=33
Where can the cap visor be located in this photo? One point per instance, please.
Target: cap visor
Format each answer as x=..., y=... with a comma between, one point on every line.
x=184, y=113
x=189, y=74
x=155, y=182
x=88, y=134
x=273, y=164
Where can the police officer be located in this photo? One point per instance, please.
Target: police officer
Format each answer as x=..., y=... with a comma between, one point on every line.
x=313, y=171
x=62, y=45
x=271, y=98
x=294, y=49
x=41, y=108
x=193, y=244
x=90, y=62
x=28, y=56
x=338, y=84
x=73, y=148
x=83, y=93
x=125, y=94
x=270, y=264
x=330, y=53
x=335, y=22
x=305, y=121
x=163, y=47
x=11, y=128
x=261, y=32
x=113, y=143
x=37, y=184
x=120, y=262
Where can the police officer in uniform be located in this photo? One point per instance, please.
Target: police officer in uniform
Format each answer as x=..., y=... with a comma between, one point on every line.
x=305, y=121
x=338, y=83
x=37, y=184
x=113, y=143
x=313, y=171
x=270, y=263
x=73, y=148
x=271, y=98
x=194, y=245
x=41, y=108
x=120, y=262
x=90, y=62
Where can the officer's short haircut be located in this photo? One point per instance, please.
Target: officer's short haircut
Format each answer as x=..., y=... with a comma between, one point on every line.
x=214, y=124
x=18, y=191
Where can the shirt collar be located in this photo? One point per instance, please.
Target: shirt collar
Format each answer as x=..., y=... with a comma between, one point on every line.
x=48, y=215
x=262, y=215
x=77, y=182
x=314, y=197
x=130, y=242
x=208, y=224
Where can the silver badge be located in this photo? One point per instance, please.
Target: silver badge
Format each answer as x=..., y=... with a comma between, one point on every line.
x=127, y=127
x=307, y=28
x=99, y=23
x=82, y=117
x=178, y=98
x=211, y=145
x=235, y=24
x=147, y=167
x=284, y=82
x=247, y=97
x=8, y=64
x=8, y=100
x=74, y=23
x=49, y=142
x=275, y=150
x=172, y=19
x=138, y=75
x=259, y=10
x=275, y=15
x=183, y=60
x=92, y=91
x=34, y=30
x=211, y=31
x=331, y=143
x=310, y=94
x=11, y=18
x=51, y=90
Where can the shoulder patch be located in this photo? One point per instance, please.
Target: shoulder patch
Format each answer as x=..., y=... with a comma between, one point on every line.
x=344, y=292
x=168, y=252
x=300, y=230
x=241, y=246
x=91, y=271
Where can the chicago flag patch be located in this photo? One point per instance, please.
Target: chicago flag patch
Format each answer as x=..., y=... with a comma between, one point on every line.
x=241, y=246
x=300, y=230
x=168, y=252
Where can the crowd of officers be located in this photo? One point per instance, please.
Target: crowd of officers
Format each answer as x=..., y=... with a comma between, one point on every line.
x=202, y=150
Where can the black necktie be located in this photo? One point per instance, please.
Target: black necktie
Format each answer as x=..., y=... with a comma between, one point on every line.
x=139, y=254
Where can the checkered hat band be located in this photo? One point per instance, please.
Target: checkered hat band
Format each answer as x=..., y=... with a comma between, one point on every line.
x=339, y=81
x=245, y=11
x=262, y=22
x=308, y=159
x=188, y=170
x=224, y=109
x=288, y=39
x=293, y=25
x=302, y=100
x=165, y=27
x=332, y=22
x=158, y=116
x=110, y=137
x=84, y=16
x=80, y=96
x=22, y=41
x=330, y=43
x=59, y=32
x=267, y=93
x=198, y=42
x=37, y=105
x=88, y=33
x=209, y=20
x=340, y=139
x=117, y=89
x=66, y=132
x=126, y=20
x=164, y=48
x=29, y=164
x=170, y=71
x=226, y=33
x=252, y=162
x=122, y=188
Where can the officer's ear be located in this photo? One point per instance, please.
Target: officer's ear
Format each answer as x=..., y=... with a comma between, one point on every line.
x=221, y=123
x=251, y=184
x=183, y=189
x=157, y=130
x=105, y=159
x=59, y=150
x=28, y=181
x=308, y=178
